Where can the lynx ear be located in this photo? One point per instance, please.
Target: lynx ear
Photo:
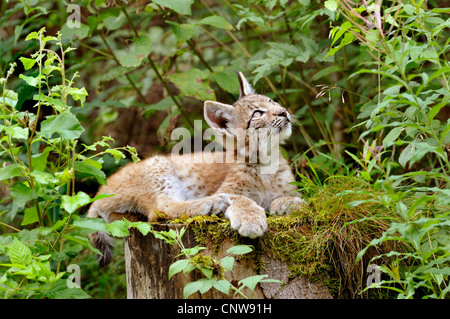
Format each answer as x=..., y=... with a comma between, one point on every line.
x=218, y=116
x=245, y=87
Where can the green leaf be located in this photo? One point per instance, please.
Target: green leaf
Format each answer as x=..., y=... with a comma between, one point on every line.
x=424, y=199
x=93, y=163
x=65, y=124
x=421, y=150
x=356, y=203
x=86, y=168
x=217, y=22
x=325, y=72
x=144, y=228
x=11, y=98
x=207, y=284
x=94, y=21
x=93, y=224
x=348, y=38
x=331, y=5
x=227, y=262
x=279, y=54
x=392, y=135
x=165, y=104
x=252, y=281
x=206, y=271
x=10, y=171
x=78, y=94
x=394, y=90
x=118, y=155
x=402, y=210
x=180, y=6
x=27, y=63
x=60, y=291
x=21, y=194
x=436, y=109
x=202, y=286
x=84, y=241
x=139, y=50
x=183, y=32
x=272, y=280
x=15, y=131
x=193, y=82
x=39, y=161
x=30, y=217
x=223, y=286
x=192, y=288
x=19, y=253
x=43, y=178
x=63, y=177
x=56, y=104
x=31, y=80
x=72, y=203
x=118, y=228
x=191, y=251
x=357, y=160
x=227, y=80
x=240, y=249
x=179, y=266
x=70, y=34
x=32, y=35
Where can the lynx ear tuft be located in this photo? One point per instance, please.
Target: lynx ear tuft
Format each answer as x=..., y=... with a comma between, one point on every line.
x=218, y=116
x=245, y=87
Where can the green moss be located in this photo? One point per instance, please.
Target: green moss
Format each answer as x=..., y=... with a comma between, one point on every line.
x=321, y=241
x=209, y=230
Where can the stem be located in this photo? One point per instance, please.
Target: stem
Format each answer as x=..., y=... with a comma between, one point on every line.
x=8, y=135
x=153, y=66
x=238, y=291
x=33, y=131
x=61, y=232
x=63, y=75
x=73, y=167
x=102, y=36
x=11, y=227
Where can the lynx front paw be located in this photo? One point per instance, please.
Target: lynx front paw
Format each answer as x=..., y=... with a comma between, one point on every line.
x=286, y=205
x=214, y=204
x=249, y=221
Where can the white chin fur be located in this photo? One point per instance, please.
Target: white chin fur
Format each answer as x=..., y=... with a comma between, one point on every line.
x=286, y=133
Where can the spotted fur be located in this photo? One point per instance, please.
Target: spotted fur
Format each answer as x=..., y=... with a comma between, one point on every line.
x=243, y=190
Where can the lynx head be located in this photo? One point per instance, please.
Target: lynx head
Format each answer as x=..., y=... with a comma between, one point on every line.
x=252, y=114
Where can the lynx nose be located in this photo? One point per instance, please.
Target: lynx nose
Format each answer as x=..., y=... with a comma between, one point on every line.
x=282, y=112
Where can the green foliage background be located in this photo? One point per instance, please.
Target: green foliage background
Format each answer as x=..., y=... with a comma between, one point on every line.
x=369, y=85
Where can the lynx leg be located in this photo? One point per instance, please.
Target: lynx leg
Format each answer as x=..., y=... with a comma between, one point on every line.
x=116, y=204
x=246, y=217
x=286, y=205
x=214, y=204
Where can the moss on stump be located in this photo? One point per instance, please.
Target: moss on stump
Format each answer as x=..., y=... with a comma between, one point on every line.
x=315, y=247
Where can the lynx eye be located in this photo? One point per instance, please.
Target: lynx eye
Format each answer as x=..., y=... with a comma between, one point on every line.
x=257, y=114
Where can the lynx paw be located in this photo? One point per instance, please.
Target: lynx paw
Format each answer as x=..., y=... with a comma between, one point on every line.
x=214, y=204
x=286, y=205
x=249, y=221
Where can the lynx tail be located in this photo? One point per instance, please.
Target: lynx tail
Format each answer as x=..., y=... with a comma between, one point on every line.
x=103, y=242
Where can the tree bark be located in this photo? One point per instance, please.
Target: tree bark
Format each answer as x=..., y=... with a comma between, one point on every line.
x=147, y=261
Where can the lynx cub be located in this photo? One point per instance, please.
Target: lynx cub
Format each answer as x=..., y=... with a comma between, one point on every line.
x=243, y=190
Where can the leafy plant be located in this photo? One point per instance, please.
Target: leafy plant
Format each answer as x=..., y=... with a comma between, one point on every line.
x=213, y=270
x=408, y=51
x=42, y=157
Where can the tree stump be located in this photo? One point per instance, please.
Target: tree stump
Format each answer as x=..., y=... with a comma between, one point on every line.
x=147, y=261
